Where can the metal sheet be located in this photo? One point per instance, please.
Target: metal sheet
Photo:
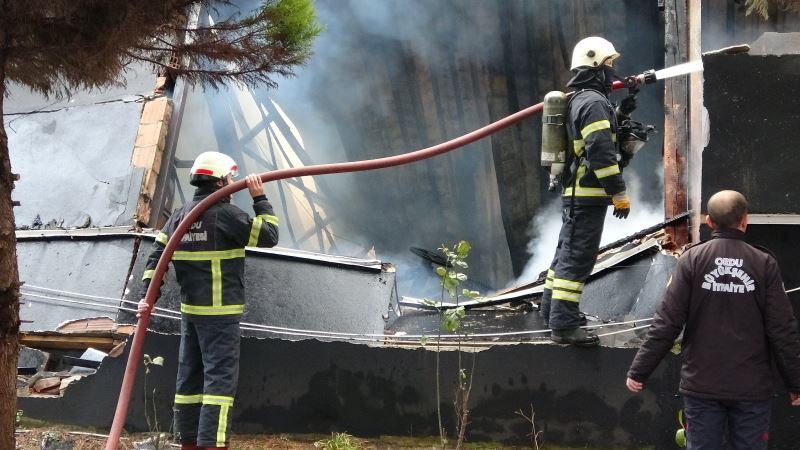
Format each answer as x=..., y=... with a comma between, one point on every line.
x=75, y=165
x=612, y=295
x=654, y=286
x=138, y=79
x=295, y=290
x=96, y=267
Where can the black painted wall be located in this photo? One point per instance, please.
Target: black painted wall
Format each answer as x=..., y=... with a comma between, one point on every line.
x=753, y=114
x=310, y=386
x=579, y=395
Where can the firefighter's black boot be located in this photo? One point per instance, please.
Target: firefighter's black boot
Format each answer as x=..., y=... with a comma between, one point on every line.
x=578, y=337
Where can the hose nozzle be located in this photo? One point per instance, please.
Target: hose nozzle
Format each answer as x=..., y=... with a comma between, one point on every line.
x=636, y=81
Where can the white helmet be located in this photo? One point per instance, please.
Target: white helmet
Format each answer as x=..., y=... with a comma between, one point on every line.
x=592, y=51
x=210, y=166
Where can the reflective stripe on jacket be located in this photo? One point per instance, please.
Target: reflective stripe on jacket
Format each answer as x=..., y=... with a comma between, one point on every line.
x=209, y=261
x=592, y=128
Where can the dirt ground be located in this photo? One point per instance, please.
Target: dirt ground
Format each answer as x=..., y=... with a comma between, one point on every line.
x=35, y=435
x=64, y=439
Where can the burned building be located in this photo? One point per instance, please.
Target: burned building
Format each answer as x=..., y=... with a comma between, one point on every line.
x=332, y=340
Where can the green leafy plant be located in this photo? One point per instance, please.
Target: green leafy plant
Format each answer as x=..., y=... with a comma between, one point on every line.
x=339, y=441
x=19, y=417
x=152, y=424
x=451, y=276
x=680, y=434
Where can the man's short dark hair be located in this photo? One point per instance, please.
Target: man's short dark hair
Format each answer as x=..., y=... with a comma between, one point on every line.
x=727, y=209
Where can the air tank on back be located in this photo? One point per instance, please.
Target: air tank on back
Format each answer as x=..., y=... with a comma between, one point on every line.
x=554, y=135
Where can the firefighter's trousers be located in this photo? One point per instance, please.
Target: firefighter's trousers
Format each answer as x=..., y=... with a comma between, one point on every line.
x=208, y=371
x=576, y=254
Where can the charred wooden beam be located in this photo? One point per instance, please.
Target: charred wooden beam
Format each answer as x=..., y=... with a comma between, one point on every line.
x=676, y=123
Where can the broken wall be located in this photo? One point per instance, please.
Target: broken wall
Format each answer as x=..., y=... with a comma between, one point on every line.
x=579, y=396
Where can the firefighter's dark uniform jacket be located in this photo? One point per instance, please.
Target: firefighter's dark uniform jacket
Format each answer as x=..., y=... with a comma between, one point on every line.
x=209, y=266
x=731, y=300
x=592, y=129
x=209, y=262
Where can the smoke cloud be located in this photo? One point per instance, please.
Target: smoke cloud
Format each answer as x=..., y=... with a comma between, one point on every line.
x=545, y=228
x=390, y=76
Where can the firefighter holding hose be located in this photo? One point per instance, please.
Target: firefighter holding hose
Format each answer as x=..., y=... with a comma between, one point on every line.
x=591, y=179
x=209, y=266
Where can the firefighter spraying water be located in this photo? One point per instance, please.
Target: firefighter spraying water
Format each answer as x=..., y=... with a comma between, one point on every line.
x=587, y=141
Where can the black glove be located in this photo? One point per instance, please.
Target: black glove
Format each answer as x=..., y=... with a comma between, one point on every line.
x=627, y=105
x=624, y=161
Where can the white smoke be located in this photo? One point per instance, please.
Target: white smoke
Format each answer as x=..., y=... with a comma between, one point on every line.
x=546, y=225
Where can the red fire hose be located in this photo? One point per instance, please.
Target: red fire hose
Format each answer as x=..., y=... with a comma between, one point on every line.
x=356, y=166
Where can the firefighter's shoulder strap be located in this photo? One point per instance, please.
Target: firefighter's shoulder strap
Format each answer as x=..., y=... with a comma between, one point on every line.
x=573, y=161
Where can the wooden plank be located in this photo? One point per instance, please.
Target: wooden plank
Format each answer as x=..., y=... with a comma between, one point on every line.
x=67, y=342
x=676, y=133
x=695, y=125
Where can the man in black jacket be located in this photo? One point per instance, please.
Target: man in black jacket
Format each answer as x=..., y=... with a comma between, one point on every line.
x=595, y=181
x=209, y=267
x=730, y=298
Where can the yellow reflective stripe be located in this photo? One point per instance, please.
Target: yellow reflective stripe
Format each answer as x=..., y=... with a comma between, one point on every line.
x=216, y=283
x=578, y=146
x=567, y=284
x=212, y=310
x=613, y=137
x=270, y=219
x=183, y=255
x=548, y=282
x=222, y=400
x=255, y=230
x=566, y=295
x=188, y=399
x=148, y=274
x=222, y=425
x=162, y=238
x=595, y=126
x=586, y=192
x=607, y=171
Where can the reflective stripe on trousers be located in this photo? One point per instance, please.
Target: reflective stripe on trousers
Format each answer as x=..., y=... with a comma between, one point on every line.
x=208, y=371
x=575, y=256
